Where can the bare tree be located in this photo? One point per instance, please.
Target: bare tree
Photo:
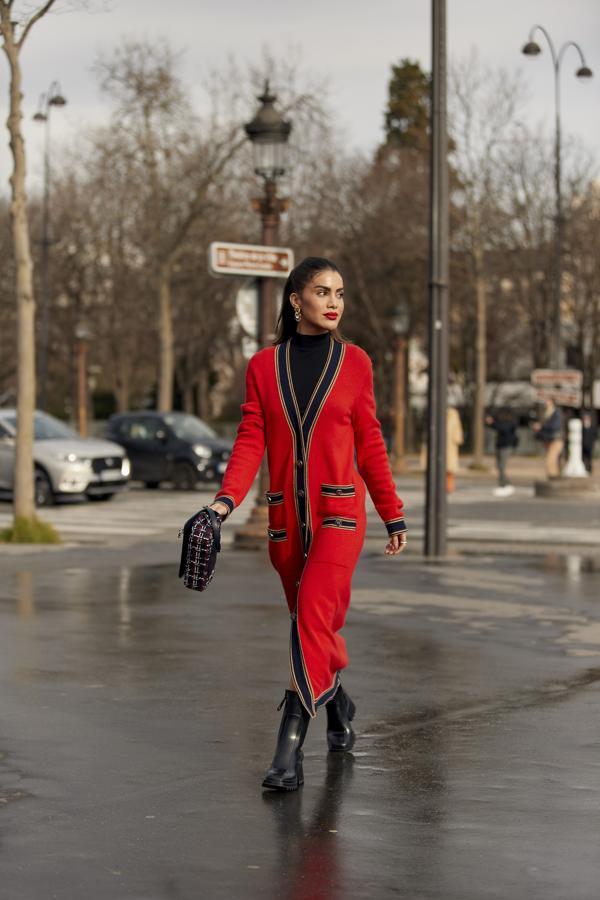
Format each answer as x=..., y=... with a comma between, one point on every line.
x=15, y=29
x=7, y=308
x=181, y=163
x=484, y=106
x=525, y=193
x=583, y=274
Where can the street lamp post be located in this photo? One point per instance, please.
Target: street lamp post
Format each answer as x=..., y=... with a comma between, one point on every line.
x=400, y=325
x=53, y=97
x=269, y=134
x=531, y=48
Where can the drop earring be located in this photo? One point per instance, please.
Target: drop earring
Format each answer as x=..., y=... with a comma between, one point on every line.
x=297, y=314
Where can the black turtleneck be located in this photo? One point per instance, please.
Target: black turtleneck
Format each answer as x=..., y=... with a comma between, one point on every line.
x=308, y=353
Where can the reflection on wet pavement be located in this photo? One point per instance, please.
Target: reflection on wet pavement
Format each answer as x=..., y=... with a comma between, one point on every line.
x=480, y=598
x=307, y=846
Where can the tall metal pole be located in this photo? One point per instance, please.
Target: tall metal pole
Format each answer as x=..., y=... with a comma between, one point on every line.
x=556, y=337
x=270, y=216
x=250, y=536
x=435, y=501
x=533, y=49
x=45, y=274
x=269, y=134
x=398, y=456
x=52, y=98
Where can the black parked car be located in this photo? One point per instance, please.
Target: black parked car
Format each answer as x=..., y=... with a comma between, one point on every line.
x=174, y=446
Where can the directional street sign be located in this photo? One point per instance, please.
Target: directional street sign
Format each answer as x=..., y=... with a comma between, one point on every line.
x=571, y=378
x=561, y=385
x=250, y=260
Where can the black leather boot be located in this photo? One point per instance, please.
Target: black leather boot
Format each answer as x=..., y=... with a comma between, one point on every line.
x=340, y=712
x=286, y=772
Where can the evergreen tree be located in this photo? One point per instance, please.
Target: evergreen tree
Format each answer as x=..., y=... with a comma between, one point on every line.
x=407, y=112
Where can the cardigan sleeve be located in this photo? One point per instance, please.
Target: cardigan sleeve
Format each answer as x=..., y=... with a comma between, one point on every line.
x=372, y=459
x=248, y=448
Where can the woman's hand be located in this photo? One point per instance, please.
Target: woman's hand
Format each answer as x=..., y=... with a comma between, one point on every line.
x=220, y=508
x=396, y=544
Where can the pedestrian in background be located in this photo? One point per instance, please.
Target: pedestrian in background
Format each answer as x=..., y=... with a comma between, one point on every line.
x=505, y=426
x=550, y=431
x=454, y=439
x=589, y=432
x=310, y=402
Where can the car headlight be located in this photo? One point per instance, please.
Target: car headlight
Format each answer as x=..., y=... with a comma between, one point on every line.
x=125, y=467
x=201, y=450
x=67, y=457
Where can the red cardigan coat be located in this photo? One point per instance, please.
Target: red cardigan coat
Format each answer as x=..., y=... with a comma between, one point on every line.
x=316, y=496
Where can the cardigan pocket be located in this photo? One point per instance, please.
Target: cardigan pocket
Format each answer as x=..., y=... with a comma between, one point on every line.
x=276, y=509
x=337, y=542
x=346, y=523
x=277, y=534
x=337, y=500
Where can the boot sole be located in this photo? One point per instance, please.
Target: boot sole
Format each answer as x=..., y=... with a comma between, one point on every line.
x=280, y=785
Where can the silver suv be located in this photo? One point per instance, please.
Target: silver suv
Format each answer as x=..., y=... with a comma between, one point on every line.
x=65, y=463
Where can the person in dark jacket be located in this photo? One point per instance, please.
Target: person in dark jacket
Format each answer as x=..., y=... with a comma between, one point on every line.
x=589, y=432
x=505, y=426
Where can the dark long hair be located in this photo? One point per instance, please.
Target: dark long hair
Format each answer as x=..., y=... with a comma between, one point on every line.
x=297, y=280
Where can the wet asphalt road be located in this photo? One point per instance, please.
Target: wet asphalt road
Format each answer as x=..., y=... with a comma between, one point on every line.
x=138, y=718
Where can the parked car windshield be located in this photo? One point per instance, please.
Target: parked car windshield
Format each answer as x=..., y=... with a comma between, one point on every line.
x=46, y=428
x=189, y=428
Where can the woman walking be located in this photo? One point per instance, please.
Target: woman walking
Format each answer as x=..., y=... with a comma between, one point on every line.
x=309, y=400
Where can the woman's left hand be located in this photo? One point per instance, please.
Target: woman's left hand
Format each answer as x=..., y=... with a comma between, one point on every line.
x=396, y=544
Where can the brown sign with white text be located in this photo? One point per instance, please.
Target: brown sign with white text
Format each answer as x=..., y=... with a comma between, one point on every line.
x=252, y=260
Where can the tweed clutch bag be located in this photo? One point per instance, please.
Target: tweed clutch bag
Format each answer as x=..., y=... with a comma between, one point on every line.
x=201, y=543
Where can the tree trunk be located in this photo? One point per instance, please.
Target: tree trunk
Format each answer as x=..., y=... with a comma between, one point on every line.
x=166, y=366
x=123, y=388
x=188, y=398
x=202, y=393
x=480, y=359
x=24, y=504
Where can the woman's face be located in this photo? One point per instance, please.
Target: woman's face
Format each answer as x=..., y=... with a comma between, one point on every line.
x=321, y=303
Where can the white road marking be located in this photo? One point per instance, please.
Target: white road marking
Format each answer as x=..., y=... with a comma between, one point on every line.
x=135, y=514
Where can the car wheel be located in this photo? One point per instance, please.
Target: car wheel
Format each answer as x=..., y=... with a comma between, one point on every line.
x=152, y=485
x=184, y=477
x=44, y=495
x=100, y=496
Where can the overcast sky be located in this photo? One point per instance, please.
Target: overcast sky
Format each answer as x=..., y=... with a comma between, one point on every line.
x=350, y=42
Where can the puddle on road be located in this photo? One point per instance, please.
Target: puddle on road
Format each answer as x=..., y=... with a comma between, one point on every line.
x=117, y=625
